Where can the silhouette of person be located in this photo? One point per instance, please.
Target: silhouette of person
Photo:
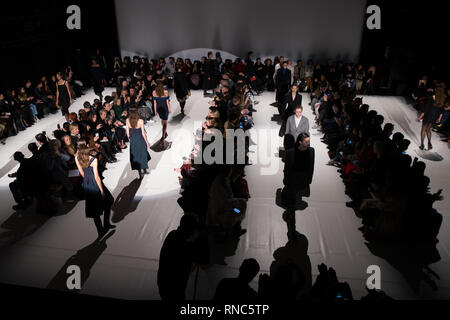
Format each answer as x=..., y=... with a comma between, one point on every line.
x=176, y=258
x=238, y=289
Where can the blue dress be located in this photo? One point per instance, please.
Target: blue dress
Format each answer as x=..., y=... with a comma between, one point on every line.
x=161, y=107
x=139, y=155
x=91, y=192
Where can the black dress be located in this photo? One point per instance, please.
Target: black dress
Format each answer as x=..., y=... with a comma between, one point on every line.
x=298, y=173
x=97, y=79
x=95, y=204
x=431, y=112
x=63, y=98
x=139, y=156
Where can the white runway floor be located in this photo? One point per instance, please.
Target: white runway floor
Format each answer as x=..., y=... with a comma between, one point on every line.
x=35, y=251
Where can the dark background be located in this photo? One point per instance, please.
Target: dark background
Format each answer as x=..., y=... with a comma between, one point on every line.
x=35, y=41
x=416, y=33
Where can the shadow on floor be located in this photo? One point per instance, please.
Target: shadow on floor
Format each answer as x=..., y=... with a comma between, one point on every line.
x=19, y=225
x=412, y=261
x=85, y=259
x=428, y=155
x=125, y=202
x=160, y=146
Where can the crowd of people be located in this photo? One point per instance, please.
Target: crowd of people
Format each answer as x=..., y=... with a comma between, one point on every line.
x=389, y=190
x=22, y=107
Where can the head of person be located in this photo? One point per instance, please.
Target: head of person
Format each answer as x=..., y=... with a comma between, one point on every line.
x=397, y=137
x=159, y=88
x=74, y=130
x=103, y=113
x=298, y=110
x=294, y=88
x=210, y=55
x=87, y=106
x=248, y=270
x=133, y=117
x=303, y=141
x=188, y=225
x=92, y=117
x=284, y=64
x=18, y=156
x=388, y=129
x=33, y=148
x=66, y=140
x=59, y=76
x=41, y=138
x=83, y=155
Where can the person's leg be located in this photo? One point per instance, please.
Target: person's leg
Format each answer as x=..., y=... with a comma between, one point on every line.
x=429, y=136
x=422, y=135
x=109, y=201
x=99, y=226
x=182, y=104
x=164, y=129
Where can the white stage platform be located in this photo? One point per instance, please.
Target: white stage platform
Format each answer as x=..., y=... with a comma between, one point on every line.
x=35, y=251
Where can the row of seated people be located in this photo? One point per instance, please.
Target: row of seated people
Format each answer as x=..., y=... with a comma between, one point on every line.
x=22, y=107
x=51, y=171
x=216, y=189
x=389, y=189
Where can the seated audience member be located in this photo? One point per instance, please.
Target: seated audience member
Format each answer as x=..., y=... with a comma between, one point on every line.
x=238, y=289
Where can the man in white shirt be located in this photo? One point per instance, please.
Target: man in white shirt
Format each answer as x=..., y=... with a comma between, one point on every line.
x=297, y=123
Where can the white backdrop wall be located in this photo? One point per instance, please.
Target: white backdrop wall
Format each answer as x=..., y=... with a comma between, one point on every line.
x=304, y=29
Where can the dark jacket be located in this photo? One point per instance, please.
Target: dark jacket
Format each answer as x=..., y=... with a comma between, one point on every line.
x=298, y=180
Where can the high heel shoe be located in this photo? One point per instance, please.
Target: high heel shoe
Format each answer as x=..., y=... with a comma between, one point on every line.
x=421, y=147
x=430, y=146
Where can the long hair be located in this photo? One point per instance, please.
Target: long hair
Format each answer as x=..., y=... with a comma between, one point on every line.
x=70, y=149
x=134, y=117
x=83, y=155
x=159, y=88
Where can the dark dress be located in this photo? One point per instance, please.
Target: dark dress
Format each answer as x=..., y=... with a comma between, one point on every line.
x=298, y=173
x=181, y=86
x=431, y=112
x=161, y=107
x=63, y=98
x=95, y=204
x=97, y=79
x=139, y=155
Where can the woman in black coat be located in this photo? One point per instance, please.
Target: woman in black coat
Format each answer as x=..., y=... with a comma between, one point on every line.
x=181, y=87
x=292, y=99
x=298, y=171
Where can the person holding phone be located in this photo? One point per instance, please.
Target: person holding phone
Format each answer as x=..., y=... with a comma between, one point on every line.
x=98, y=198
